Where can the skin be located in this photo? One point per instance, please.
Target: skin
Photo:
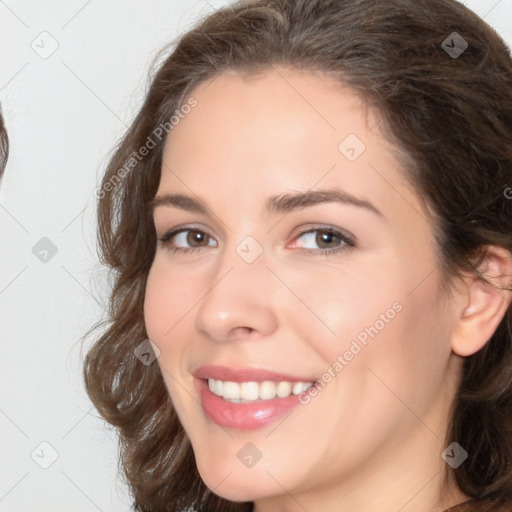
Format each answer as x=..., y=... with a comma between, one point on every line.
x=372, y=438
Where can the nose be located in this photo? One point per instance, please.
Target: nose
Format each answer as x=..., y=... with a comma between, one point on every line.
x=238, y=301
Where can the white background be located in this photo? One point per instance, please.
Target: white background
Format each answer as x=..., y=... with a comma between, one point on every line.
x=64, y=115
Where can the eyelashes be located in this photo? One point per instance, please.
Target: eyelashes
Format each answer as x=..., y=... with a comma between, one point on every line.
x=194, y=237
x=329, y=240
x=322, y=237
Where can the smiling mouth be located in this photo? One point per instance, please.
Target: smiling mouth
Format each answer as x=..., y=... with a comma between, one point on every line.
x=252, y=391
x=248, y=398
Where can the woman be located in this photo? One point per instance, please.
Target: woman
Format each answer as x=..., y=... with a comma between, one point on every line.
x=307, y=219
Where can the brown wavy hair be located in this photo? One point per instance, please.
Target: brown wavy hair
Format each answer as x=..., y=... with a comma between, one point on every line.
x=4, y=144
x=449, y=116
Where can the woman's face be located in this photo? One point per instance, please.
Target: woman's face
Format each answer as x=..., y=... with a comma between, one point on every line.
x=299, y=255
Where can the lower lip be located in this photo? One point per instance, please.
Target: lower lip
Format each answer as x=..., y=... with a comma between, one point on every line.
x=248, y=416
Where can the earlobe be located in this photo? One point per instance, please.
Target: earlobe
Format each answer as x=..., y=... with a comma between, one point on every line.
x=484, y=303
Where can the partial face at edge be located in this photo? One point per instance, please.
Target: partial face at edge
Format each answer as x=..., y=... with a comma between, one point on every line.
x=293, y=291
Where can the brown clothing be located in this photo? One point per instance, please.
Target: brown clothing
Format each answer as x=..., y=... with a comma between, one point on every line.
x=482, y=506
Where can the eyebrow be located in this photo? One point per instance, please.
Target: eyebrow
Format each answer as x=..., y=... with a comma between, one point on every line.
x=282, y=203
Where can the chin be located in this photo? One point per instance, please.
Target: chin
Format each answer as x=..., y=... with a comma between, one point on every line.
x=238, y=484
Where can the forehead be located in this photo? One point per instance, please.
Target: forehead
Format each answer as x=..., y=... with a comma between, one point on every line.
x=282, y=129
x=292, y=104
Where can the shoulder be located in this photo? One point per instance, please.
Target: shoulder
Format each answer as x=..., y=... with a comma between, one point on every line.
x=482, y=506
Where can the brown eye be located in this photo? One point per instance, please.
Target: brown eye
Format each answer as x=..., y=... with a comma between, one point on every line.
x=196, y=238
x=187, y=239
x=327, y=240
x=324, y=241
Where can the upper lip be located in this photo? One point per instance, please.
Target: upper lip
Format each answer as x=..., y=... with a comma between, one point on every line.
x=226, y=373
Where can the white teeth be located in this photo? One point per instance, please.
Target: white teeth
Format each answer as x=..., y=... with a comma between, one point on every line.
x=252, y=391
x=300, y=387
x=284, y=389
x=218, y=386
x=268, y=390
x=249, y=391
x=231, y=391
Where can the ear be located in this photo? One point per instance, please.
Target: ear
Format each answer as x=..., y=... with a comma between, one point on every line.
x=483, y=305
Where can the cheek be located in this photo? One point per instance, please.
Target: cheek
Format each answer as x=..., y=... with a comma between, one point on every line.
x=157, y=304
x=169, y=298
x=340, y=304
x=165, y=308
x=374, y=320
